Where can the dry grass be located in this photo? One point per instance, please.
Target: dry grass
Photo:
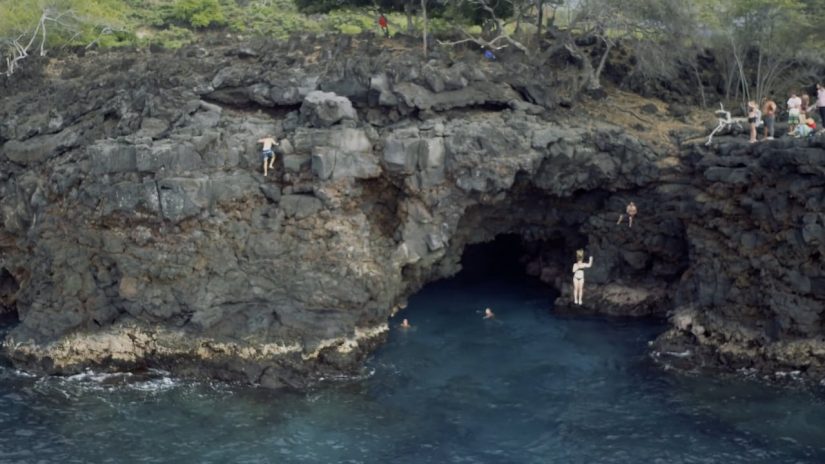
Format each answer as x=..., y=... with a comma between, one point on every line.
x=625, y=109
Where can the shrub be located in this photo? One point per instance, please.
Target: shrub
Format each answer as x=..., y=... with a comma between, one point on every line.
x=196, y=13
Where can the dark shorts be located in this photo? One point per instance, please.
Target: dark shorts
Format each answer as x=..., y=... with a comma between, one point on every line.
x=266, y=154
x=751, y=120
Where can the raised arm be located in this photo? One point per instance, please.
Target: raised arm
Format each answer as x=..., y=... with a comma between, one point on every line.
x=589, y=263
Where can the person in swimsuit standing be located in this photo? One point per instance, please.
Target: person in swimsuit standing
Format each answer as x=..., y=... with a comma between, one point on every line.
x=578, y=276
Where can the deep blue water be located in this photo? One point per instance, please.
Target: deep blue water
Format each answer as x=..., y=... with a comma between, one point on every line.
x=527, y=387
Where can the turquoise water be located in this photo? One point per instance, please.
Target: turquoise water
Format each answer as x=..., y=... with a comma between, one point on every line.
x=527, y=387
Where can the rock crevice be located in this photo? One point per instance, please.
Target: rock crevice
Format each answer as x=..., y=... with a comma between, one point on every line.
x=139, y=231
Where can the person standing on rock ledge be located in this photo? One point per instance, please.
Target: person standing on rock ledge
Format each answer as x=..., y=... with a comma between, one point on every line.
x=578, y=276
x=267, y=155
x=631, y=213
x=769, y=116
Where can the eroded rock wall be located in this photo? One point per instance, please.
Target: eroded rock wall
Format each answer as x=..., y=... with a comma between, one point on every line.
x=138, y=229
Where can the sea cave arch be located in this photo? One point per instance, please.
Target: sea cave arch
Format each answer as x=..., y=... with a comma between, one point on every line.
x=530, y=233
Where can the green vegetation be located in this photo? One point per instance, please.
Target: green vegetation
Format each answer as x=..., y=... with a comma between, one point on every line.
x=757, y=45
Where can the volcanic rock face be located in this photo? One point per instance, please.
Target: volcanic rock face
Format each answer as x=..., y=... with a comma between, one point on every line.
x=139, y=231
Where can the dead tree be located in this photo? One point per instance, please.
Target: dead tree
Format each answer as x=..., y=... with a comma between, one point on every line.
x=17, y=51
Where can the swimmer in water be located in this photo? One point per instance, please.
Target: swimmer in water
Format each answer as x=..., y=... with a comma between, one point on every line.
x=405, y=324
x=488, y=313
x=578, y=276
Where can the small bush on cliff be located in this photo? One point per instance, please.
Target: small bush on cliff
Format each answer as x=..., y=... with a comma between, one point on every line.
x=196, y=13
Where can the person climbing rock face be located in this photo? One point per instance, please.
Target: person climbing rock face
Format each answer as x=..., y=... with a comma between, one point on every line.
x=631, y=213
x=267, y=155
x=488, y=313
x=578, y=276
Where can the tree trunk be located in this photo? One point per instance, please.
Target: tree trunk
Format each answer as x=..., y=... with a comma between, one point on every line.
x=408, y=13
x=596, y=84
x=699, y=83
x=540, y=20
x=424, y=12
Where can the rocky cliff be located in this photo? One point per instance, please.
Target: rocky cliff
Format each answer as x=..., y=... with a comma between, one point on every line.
x=138, y=229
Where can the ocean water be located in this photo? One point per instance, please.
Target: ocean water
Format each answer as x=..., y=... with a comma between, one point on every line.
x=526, y=387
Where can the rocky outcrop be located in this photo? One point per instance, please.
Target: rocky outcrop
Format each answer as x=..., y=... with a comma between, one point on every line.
x=138, y=230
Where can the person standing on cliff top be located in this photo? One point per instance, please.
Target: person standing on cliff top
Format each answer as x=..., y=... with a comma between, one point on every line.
x=267, y=155
x=820, y=102
x=631, y=213
x=805, y=107
x=769, y=116
x=382, y=23
x=794, y=106
x=578, y=276
x=753, y=118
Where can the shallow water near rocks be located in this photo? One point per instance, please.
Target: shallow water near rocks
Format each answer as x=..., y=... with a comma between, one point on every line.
x=526, y=387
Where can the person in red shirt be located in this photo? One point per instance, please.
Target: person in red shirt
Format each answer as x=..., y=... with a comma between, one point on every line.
x=382, y=22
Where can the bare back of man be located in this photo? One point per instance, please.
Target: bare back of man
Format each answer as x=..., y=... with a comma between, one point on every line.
x=267, y=154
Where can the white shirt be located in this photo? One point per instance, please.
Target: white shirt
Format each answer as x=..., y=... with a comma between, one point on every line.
x=820, y=97
x=794, y=103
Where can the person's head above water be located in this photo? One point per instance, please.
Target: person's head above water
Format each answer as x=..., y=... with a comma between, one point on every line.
x=488, y=313
x=405, y=323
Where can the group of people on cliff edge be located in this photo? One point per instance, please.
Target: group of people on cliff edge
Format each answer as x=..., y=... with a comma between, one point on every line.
x=800, y=112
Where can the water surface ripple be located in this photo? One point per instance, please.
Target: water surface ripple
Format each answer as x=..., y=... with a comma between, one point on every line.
x=527, y=387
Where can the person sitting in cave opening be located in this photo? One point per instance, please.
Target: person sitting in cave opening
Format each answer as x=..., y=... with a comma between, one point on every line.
x=267, y=154
x=578, y=276
x=488, y=313
x=631, y=213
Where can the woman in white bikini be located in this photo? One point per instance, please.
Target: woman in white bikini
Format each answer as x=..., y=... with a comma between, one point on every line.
x=578, y=276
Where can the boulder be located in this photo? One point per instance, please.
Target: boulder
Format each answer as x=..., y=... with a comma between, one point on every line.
x=108, y=158
x=40, y=148
x=300, y=206
x=323, y=109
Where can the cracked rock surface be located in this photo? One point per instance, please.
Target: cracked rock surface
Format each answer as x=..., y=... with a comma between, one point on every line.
x=138, y=229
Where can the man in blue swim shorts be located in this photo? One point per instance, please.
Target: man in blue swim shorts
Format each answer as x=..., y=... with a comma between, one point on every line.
x=267, y=155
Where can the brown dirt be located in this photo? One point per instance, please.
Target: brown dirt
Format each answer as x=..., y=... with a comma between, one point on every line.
x=625, y=109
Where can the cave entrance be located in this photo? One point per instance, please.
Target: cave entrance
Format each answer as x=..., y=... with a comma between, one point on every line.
x=505, y=257
x=8, y=299
x=510, y=258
